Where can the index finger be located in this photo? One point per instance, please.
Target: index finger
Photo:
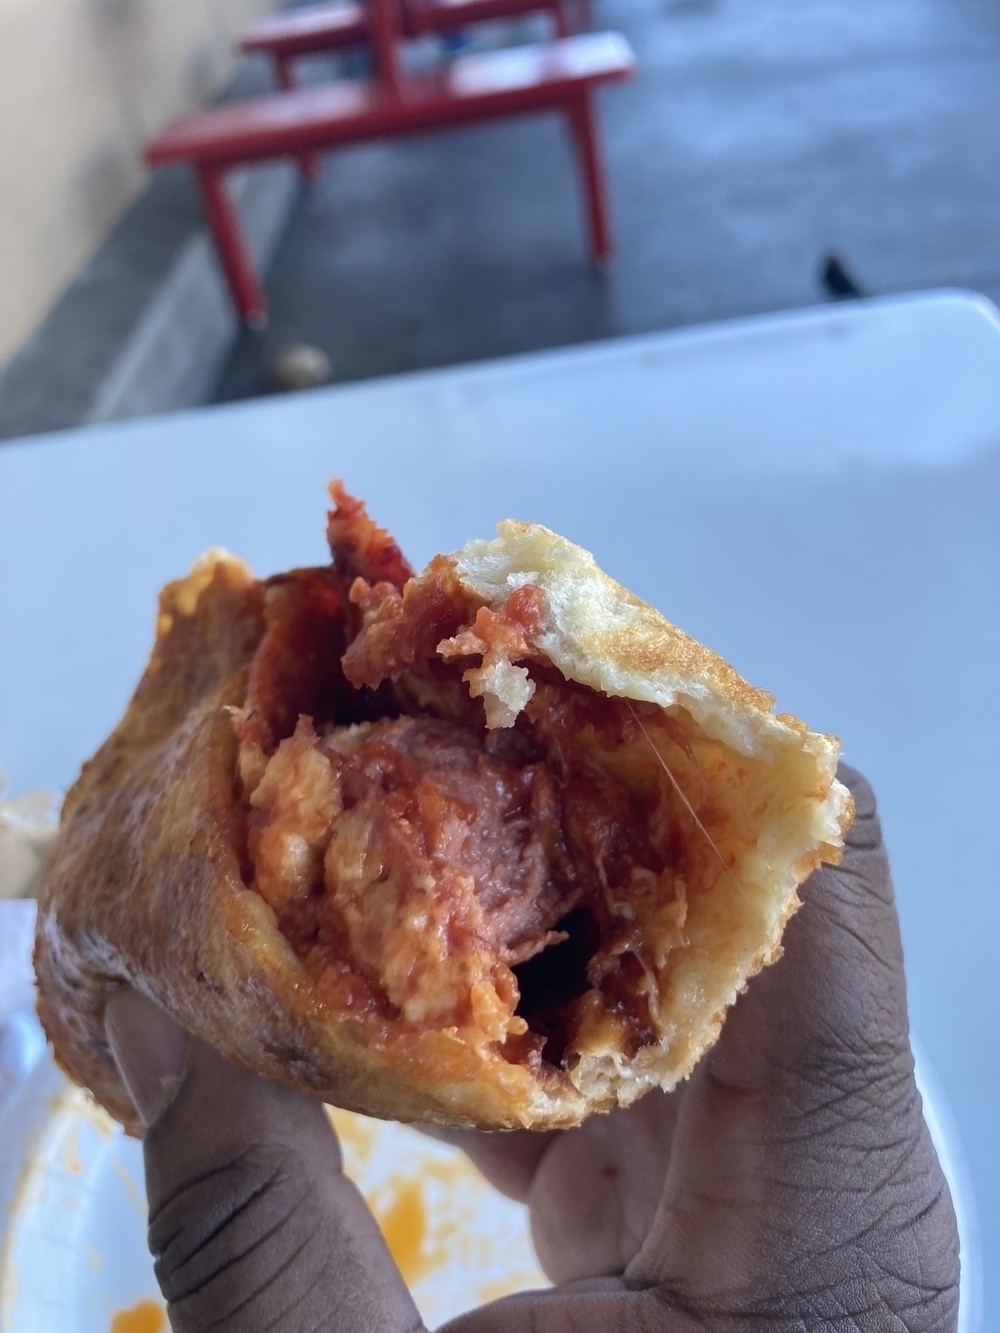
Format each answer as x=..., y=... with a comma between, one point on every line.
x=508, y=1159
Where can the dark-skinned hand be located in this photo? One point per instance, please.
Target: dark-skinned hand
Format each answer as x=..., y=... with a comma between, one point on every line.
x=789, y=1185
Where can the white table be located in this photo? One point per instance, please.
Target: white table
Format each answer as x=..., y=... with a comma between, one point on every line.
x=816, y=495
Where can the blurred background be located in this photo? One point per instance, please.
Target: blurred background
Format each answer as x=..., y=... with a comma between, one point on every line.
x=758, y=138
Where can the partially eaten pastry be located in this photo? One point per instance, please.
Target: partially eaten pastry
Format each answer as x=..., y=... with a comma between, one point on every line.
x=494, y=845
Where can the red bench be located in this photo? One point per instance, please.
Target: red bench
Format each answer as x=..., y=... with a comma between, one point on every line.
x=319, y=29
x=557, y=76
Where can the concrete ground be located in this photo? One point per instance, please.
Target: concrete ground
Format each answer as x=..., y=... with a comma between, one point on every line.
x=760, y=136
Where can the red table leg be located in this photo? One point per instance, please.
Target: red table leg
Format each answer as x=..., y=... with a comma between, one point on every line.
x=583, y=124
x=310, y=164
x=564, y=26
x=386, y=19
x=230, y=242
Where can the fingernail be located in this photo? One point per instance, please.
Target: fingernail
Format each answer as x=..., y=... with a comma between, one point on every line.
x=149, y=1050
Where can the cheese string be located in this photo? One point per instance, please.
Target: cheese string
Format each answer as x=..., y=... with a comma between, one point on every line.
x=687, y=804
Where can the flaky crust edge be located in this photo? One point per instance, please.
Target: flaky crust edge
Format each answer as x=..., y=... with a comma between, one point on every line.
x=601, y=635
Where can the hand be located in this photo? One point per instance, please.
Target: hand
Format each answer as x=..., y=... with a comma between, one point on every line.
x=790, y=1185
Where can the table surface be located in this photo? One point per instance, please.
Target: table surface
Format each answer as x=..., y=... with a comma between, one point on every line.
x=815, y=495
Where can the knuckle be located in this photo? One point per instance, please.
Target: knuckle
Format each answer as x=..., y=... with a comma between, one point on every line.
x=236, y=1245
x=859, y=1304
x=867, y=1296
x=861, y=1087
x=890, y=1254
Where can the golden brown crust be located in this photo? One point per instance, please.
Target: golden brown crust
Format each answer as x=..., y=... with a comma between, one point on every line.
x=146, y=888
x=149, y=881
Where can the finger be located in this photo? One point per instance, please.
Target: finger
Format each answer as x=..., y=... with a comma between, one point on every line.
x=592, y=1192
x=596, y=1191
x=507, y=1159
x=252, y=1223
x=801, y=1162
x=601, y=1305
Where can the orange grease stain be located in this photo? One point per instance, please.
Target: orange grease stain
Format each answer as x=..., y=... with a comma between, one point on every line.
x=422, y=1220
x=146, y=1317
x=71, y=1161
x=451, y=1172
x=403, y=1223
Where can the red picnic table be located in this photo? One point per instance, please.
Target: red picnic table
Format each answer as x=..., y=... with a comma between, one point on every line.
x=319, y=29
x=560, y=76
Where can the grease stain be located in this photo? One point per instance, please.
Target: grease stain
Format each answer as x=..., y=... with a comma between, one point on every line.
x=146, y=1317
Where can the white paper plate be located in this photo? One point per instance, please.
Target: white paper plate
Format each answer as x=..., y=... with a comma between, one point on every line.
x=73, y=1255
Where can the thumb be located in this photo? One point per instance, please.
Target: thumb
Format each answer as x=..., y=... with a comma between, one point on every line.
x=252, y=1223
x=803, y=1180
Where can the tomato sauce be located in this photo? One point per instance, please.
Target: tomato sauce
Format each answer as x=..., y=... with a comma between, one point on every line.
x=424, y=868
